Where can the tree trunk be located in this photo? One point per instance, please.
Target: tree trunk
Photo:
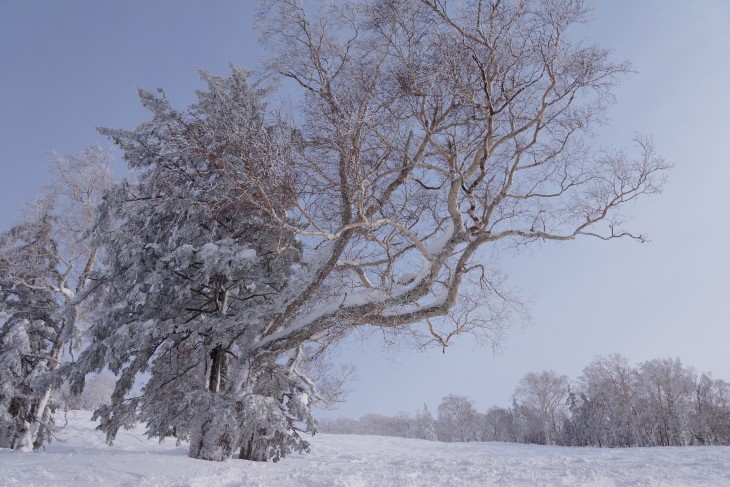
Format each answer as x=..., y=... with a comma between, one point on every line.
x=213, y=431
x=29, y=433
x=255, y=451
x=211, y=435
x=16, y=435
x=218, y=369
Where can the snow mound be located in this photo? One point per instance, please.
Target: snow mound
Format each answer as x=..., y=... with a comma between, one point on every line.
x=80, y=458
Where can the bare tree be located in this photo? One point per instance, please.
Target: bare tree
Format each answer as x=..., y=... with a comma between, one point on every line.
x=545, y=393
x=609, y=385
x=499, y=425
x=710, y=418
x=431, y=133
x=665, y=390
x=458, y=420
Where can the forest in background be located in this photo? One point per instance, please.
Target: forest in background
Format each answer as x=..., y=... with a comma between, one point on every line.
x=612, y=404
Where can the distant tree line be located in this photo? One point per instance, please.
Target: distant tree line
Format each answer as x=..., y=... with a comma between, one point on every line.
x=612, y=404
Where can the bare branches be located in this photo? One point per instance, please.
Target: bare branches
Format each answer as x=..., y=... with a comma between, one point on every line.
x=433, y=129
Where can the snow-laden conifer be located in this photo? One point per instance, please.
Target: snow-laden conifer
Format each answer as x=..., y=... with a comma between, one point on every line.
x=192, y=272
x=426, y=425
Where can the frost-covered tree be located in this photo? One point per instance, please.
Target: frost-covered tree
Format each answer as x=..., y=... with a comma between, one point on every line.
x=45, y=269
x=499, y=425
x=425, y=425
x=709, y=420
x=658, y=403
x=664, y=394
x=458, y=420
x=546, y=394
x=605, y=404
x=193, y=271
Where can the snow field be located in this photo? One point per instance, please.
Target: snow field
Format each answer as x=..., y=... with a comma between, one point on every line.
x=81, y=458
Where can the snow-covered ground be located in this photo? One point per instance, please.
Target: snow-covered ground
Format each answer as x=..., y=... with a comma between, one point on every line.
x=82, y=458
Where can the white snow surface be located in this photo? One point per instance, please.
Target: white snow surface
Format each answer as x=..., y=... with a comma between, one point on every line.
x=82, y=458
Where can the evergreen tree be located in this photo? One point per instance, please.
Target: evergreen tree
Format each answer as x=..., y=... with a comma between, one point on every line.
x=193, y=271
x=426, y=425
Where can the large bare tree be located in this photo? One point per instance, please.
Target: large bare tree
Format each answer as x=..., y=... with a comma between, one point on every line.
x=431, y=133
x=546, y=394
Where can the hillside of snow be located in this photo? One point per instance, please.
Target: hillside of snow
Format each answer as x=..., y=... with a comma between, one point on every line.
x=80, y=457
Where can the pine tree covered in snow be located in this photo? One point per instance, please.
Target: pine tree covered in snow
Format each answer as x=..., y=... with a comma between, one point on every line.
x=193, y=272
x=426, y=425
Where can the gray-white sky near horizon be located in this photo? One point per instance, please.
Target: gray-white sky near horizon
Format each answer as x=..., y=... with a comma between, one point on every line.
x=66, y=67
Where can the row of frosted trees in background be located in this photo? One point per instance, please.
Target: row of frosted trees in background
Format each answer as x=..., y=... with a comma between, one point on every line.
x=612, y=404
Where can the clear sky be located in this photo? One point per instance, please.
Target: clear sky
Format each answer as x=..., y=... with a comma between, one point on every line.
x=67, y=67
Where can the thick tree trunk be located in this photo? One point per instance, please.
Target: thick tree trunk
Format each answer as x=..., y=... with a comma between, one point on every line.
x=15, y=435
x=211, y=433
x=32, y=416
x=39, y=413
x=210, y=440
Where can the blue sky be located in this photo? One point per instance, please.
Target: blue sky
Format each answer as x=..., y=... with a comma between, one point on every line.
x=66, y=67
